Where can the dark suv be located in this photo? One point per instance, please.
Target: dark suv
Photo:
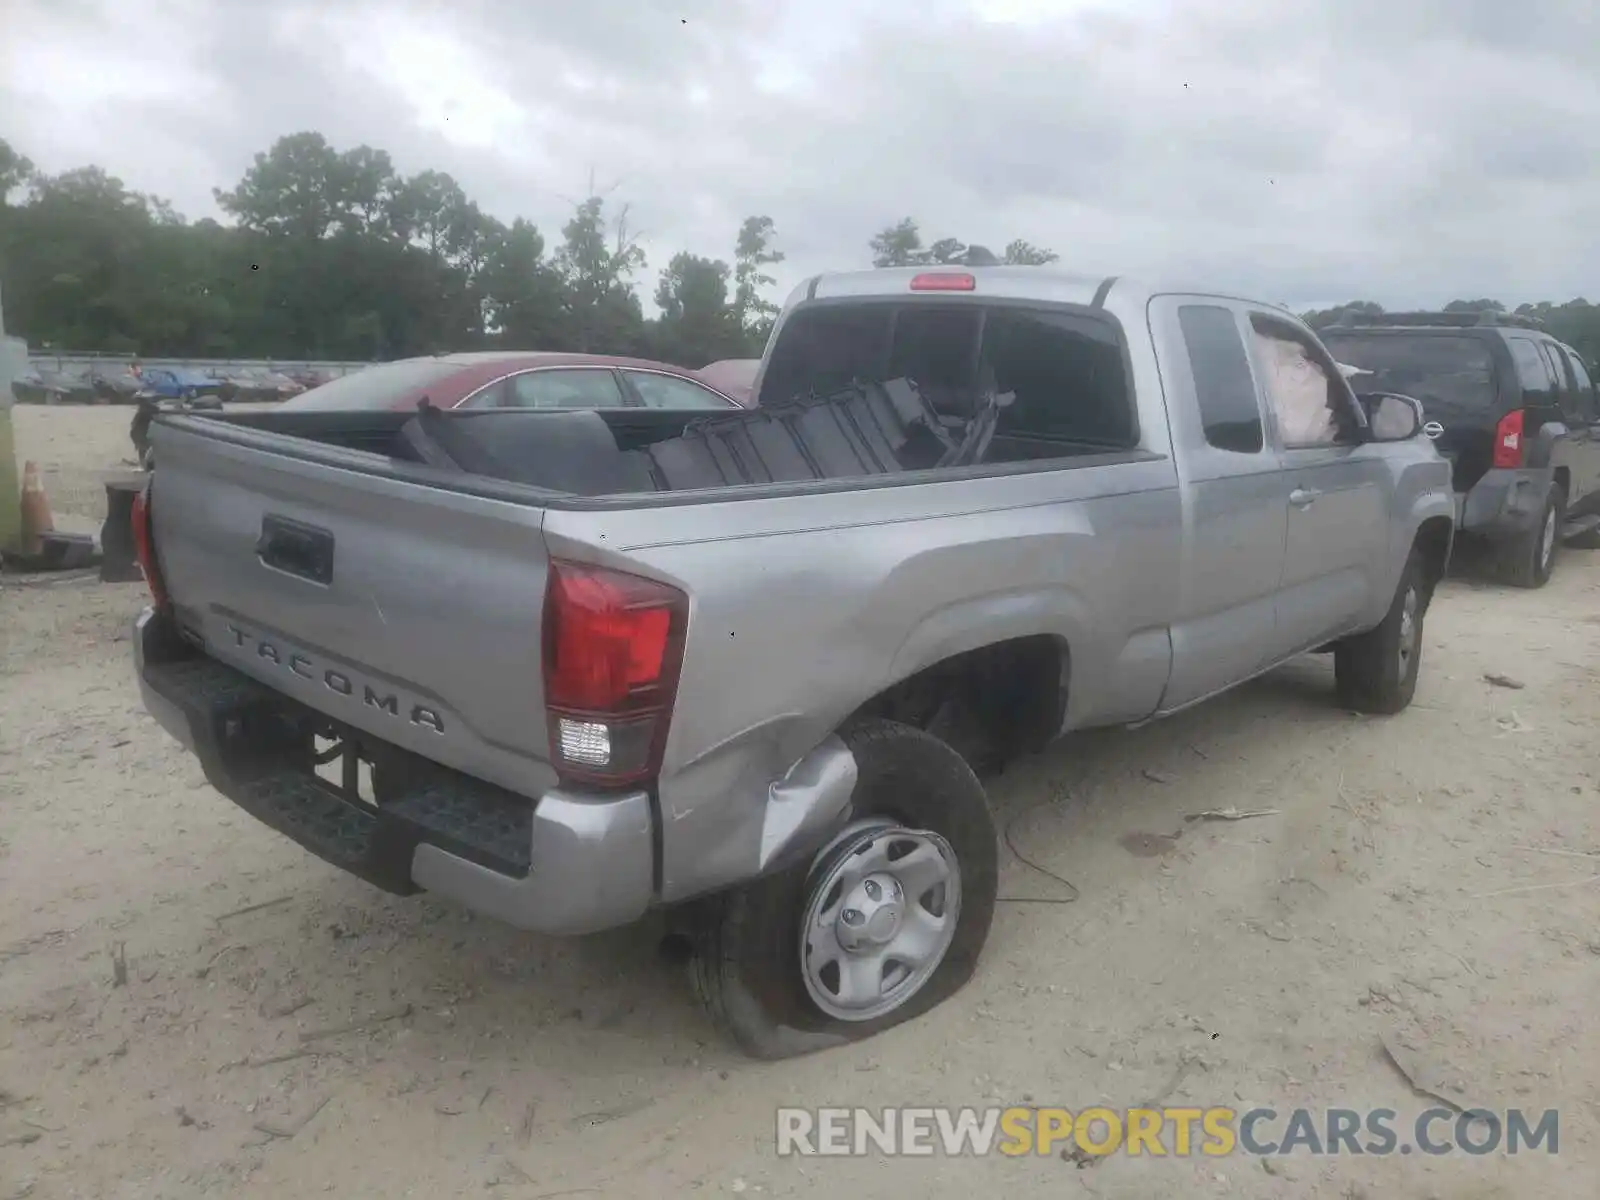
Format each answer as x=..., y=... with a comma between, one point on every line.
x=1513, y=410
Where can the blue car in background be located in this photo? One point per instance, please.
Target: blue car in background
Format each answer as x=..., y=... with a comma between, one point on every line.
x=176, y=383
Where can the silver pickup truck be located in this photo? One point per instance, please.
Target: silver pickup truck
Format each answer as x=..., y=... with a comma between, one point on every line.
x=566, y=690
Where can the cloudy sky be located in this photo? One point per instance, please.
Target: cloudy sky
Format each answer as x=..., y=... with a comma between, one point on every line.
x=1305, y=151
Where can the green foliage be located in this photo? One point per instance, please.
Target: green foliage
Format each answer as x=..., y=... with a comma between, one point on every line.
x=334, y=254
x=900, y=245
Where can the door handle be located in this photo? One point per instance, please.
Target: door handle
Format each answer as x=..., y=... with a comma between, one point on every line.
x=1303, y=497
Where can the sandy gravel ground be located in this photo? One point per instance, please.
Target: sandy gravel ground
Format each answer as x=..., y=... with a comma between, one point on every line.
x=275, y=1028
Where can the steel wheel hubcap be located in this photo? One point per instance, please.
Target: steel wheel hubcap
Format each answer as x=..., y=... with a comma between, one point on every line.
x=882, y=903
x=1547, y=541
x=1408, y=629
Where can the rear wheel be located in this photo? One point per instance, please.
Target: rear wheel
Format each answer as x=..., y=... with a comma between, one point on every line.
x=1376, y=671
x=880, y=926
x=1529, y=560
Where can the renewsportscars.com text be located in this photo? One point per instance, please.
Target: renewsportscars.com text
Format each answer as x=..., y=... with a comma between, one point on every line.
x=1161, y=1132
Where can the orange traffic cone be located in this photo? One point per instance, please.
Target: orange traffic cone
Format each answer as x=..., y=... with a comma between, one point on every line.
x=36, y=518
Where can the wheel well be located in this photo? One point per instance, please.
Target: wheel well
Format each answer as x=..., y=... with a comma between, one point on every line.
x=990, y=704
x=1564, y=482
x=1433, y=544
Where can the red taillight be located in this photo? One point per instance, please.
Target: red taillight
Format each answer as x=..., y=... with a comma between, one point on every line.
x=1508, y=440
x=613, y=644
x=144, y=546
x=943, y=281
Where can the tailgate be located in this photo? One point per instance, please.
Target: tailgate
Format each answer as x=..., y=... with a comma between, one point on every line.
x=408, y=611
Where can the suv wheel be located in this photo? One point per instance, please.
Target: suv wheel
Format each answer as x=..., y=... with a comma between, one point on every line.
x=880, y=926
x=1530, y=559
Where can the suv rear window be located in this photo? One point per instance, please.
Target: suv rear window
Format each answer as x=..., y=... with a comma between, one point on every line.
x=372, y=388
x=1065, y=366
x=1455, y=370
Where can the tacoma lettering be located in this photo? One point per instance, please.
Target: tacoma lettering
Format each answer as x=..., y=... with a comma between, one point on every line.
x=338, y=682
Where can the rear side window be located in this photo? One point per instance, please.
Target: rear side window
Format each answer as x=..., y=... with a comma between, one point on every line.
x=1585, y=402
x=1439, y=370
x=1223, y=385
x=587, y=388
x=372, y=387
x=668, y=391
x=1533, y=371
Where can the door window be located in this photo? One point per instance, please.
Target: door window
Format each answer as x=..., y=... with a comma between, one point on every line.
x=563, y=389
x=1310, y=400
x=1230, y=412
x=669, y=391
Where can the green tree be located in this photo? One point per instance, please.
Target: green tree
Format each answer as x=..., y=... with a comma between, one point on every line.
x=696, y=326
x=1025, y=254
x=294, y=188
x=523, y=296
x=16, y=171
x=753, y=313
x=596, y=263
x=898, y=245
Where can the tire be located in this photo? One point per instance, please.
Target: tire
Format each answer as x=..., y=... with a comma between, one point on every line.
x=1527, y=562
x=747, y=961
x=1373, y=674
x=1589, y=540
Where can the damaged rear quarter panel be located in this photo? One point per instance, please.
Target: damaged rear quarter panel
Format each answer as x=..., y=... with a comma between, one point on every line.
x=803, y=607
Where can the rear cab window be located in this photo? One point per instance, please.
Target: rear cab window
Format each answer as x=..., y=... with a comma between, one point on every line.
x=1065, y=366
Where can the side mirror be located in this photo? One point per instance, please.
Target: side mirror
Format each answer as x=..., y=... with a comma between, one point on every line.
x=1392, y=417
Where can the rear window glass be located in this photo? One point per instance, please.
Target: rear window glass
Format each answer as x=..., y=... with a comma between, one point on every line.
x=1454, y=370
x=1064, y=366
x=372, y=387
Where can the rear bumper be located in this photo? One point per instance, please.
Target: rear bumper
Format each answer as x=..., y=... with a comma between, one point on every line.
x=569, y=863
x=1505, y=504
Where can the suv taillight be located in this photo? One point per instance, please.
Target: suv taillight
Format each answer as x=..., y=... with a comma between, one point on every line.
x=613, y=644
x=144, y=546
x=1508, y=440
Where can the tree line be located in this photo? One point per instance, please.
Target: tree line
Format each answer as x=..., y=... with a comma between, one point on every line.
x=333, y=254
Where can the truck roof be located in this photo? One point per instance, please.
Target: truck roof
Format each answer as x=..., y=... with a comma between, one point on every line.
x=1048, y=285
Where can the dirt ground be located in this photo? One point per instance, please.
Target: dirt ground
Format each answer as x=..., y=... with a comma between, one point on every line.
x=190, y=1005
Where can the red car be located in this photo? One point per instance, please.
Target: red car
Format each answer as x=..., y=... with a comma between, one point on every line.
x=514, y=379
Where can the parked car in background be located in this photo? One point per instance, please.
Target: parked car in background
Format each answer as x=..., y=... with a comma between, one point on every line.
x=1515, y=412
x=516, y=379
x=735, y=376
x=114, y=383
x=257, y=384
x=178, y=383
x=310, y=377
x=35, y=386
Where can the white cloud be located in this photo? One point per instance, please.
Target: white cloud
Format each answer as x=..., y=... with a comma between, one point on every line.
x=1407, y=153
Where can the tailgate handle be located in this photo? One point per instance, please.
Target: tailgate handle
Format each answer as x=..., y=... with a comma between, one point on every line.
x=295, y=549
